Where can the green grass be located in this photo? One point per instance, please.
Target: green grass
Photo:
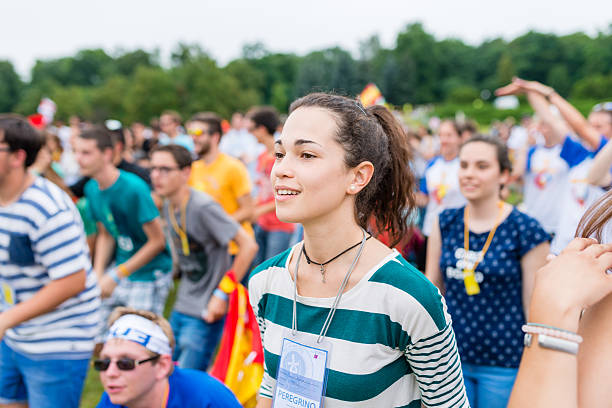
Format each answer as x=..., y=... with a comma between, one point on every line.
x=93, y=387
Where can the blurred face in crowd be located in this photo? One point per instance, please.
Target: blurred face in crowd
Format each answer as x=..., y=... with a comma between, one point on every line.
x=258, y=131
x=130, y=387
x=479, y=171
x=168, y=125
x=202, y=138
x=450, y=140
x=237, y=121
x=309, y=176
x=602, y=122
x=166, y=176
x=90, y=158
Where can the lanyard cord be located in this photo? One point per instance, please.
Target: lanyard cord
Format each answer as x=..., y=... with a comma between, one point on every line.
x=466, y=233
x=181, y=232
x=332, y=311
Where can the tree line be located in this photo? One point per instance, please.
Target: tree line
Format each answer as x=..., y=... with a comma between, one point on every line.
x=419, y=69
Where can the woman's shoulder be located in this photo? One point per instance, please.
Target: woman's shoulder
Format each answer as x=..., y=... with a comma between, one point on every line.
x=407, y=282
x=523, y=221
x=278, y=261
x=450, y=216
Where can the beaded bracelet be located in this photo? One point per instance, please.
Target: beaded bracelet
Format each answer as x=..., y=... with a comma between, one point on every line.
x=540, y=329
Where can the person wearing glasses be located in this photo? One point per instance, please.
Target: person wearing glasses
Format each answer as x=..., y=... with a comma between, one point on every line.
x=136, y=368
x=200, y=232
x=128, y=221
x=219, y=175
x=49, y=300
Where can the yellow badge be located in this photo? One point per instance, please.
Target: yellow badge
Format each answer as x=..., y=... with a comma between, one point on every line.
x=469, y=279
x=8, y=294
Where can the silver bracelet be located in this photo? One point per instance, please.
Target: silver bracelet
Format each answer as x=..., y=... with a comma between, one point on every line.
x=552, y=343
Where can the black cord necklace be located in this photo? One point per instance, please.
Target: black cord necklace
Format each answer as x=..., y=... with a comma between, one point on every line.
x=322, y=265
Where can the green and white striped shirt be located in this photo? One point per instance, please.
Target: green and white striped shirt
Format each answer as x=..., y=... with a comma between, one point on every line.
x=392, y=340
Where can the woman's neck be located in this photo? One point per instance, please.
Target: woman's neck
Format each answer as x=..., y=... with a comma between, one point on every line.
x=326, y=238
x=484, y=209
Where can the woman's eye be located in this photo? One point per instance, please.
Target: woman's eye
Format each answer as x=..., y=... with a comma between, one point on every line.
x=279, y=155
x=308, y=155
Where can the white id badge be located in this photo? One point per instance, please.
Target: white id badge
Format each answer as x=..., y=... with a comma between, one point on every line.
x=302, y=372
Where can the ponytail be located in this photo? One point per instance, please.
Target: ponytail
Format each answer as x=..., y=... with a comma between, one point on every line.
x=393, y=197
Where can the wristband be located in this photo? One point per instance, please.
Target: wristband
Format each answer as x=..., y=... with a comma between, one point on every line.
x=122, y=271
x=550, y=331
x=552, y=343
x=221, y=294
x=114, y=275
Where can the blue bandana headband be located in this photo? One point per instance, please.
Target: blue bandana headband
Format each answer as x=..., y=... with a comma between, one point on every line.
x=142, y=331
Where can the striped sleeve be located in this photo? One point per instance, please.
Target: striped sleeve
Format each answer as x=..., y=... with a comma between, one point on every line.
x=256, y=291
x=437, y=367
x=59, y=244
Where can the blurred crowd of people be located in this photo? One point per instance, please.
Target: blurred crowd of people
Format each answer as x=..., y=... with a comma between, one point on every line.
x=104, y=216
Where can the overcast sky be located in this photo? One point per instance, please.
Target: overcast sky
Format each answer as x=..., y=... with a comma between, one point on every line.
x=33, y=30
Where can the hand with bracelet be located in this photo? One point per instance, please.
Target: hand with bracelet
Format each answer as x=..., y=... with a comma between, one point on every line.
x=109, y=281
x=219, y=301
x=574, y=281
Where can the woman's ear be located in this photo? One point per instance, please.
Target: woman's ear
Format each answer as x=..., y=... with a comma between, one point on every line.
x=361, y=176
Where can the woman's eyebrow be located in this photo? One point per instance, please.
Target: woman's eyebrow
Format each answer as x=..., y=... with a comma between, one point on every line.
x=298, y=142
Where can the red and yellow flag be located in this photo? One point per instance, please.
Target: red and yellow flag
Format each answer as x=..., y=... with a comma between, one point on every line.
x=371, y=95
x=239, y=363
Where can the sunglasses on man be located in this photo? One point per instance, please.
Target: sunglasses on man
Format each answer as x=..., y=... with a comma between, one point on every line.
x=123, y=364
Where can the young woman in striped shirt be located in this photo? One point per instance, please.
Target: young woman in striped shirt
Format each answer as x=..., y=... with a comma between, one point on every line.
x=389, y=341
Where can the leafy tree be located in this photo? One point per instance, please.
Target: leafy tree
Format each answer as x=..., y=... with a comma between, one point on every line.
x=10, y=87
x=151, y=91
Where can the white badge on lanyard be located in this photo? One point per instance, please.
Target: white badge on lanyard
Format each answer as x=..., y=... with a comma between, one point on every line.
x=304, y=361
x=302, y=372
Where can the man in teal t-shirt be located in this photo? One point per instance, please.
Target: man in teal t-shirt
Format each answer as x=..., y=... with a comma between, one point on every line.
x=128, y=226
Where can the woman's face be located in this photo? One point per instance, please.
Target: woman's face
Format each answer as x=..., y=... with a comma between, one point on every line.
x=309, y=176
x=479, y=173
x=450, y=140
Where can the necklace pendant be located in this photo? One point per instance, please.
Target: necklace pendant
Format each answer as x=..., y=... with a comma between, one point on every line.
x=322, y=273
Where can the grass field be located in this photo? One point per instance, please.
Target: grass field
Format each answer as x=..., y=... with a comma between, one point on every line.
x=93, y=388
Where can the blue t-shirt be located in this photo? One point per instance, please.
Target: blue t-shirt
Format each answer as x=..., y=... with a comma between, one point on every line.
x=488, y=325
x=123, y=208
x=191, y=389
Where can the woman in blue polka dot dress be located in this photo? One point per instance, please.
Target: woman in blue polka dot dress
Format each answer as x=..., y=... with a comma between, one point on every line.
x=483, y=257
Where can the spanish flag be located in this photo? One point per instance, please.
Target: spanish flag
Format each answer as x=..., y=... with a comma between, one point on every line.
x=371, y=95
x=239, y=363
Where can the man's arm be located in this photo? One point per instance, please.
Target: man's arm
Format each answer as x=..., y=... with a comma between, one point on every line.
x=599, y=173
x=542, y=108
x=570, y=114
x=247, y=249
x=46, y=299
x=263, y=209
x=156, y=243
x=104, y=248
x=246, y=208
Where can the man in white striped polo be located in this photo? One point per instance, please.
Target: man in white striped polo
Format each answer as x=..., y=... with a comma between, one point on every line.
x=49, y=304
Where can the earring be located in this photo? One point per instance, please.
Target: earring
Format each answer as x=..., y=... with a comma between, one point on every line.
x=352, y=187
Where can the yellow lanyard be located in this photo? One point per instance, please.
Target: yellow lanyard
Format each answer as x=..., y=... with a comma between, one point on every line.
x=166, y=395
x=181, y=232
x=469, y=278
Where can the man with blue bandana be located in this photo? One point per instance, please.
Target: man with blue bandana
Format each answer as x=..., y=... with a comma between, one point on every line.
x=136, y=368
